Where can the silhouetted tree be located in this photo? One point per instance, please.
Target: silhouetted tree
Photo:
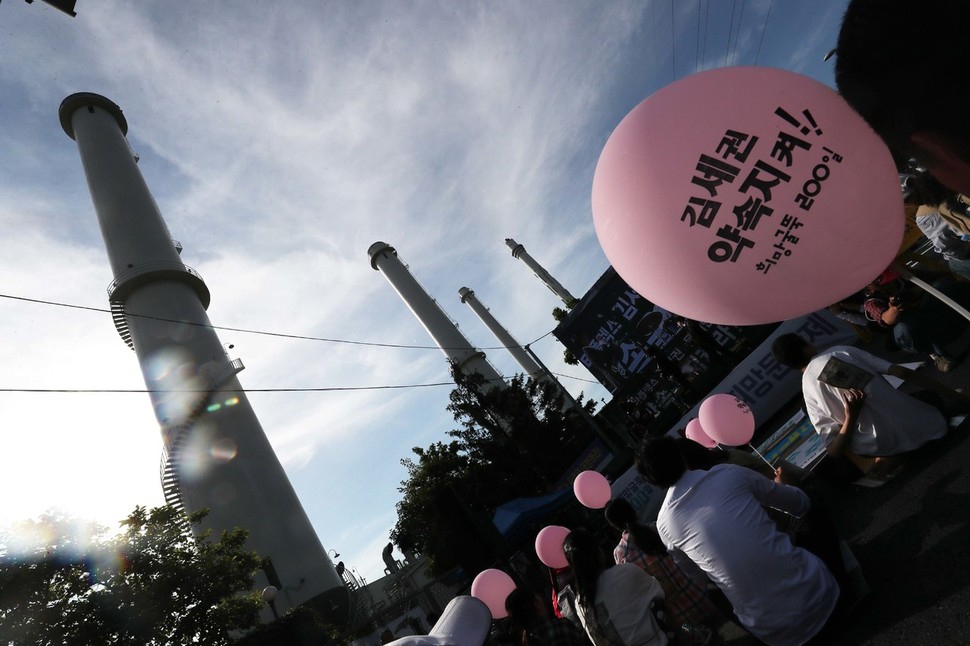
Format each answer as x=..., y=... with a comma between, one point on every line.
x=512, y=442
x=154, y=583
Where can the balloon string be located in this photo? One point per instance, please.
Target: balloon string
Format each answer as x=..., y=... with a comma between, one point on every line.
x=760, y=456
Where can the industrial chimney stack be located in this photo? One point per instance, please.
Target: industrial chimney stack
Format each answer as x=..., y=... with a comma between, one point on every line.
x=504, y=337
x=459, y=350
x=518, y=251
x=216, y=455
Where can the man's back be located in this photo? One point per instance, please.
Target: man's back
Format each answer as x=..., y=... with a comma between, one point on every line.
x=782, y=594
x=889, y=423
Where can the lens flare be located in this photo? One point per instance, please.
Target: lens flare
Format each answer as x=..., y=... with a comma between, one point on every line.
x=223, y=450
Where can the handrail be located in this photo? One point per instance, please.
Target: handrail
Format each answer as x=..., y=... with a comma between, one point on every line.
x=125, y=282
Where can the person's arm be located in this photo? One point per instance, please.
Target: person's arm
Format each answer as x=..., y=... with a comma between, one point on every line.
x=892, y=314
x=924, y=380
x=853, y=401
x=881, y=311
x=784, y=497
x=690, y=569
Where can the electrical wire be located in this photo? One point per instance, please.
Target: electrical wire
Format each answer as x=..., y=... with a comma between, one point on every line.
x=697, y=41
x=116, y=391
x=734, y=6
x=673, y=45
x=764, y=30
x=737, y=36
x=324, y=389
x=224, y=328
x=258, y=332
x=707, y=13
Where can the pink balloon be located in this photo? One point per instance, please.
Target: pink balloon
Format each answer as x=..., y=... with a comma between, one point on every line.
x=726, y=420
x=592, y=489
x=695, y=431
x=746, y=195
x=492, y=587
x=549, y=542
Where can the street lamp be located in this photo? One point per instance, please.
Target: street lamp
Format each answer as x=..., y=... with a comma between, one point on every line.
x=333, y=553
x=269, y=596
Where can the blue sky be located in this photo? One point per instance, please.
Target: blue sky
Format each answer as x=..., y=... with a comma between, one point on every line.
x=280, y=140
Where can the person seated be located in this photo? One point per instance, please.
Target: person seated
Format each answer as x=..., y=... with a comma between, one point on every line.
x=617, y=605
x=919, y=323
x=782, y=594
x=686, y=602
x=884, y=47
x=870, y=419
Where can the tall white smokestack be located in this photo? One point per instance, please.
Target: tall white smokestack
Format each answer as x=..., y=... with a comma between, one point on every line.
x=458, y=350
x=504, y=337
x=215, y=455
x=518, y=251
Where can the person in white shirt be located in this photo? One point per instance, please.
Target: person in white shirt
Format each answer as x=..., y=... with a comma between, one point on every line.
x=874, y=420
x=782, y=594
x=618, y=606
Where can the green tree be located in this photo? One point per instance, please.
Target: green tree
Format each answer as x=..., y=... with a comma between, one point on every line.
x=511, y=442
x=154, y=583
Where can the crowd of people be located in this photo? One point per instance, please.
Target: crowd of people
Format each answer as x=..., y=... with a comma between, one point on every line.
x=717, y=551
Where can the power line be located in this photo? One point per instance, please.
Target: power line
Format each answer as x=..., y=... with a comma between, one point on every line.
x=737, y=36
x=707, y=13
x=764, y=30
x=734, y=6
x=324, y=389
x=224, y=390
x=301, y=337
x=673, y=45
x=697, y=41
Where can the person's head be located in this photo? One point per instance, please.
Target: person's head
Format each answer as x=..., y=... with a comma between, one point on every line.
x=660, y=462
x=793, y=351
x=925, y=189
x=622, y=516
x=525, y=607
x=901, y=65
x=699, y=457
x=586, y=561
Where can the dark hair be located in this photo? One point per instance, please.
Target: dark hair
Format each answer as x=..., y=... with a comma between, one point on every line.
x=586, y=561
x=790, y=350
x=521, y=606
x=926, y=189
x=621, y=515
x=659, y=461
x=698, y=457
x=884, y=47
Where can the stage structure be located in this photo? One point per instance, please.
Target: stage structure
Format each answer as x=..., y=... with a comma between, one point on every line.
x=215, y=453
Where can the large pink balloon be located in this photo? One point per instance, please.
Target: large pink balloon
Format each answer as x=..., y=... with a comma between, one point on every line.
x=726, y=420
x=592, y=489
x=746, y=195
x=492, y=587
x=549, y=542
x=695, y=431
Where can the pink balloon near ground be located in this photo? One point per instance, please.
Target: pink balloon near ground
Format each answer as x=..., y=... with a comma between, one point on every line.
x=746, y=195
x=592, y=489
x=492, y=587
x=549, y=542
x=695, y=431
x=726, y=420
